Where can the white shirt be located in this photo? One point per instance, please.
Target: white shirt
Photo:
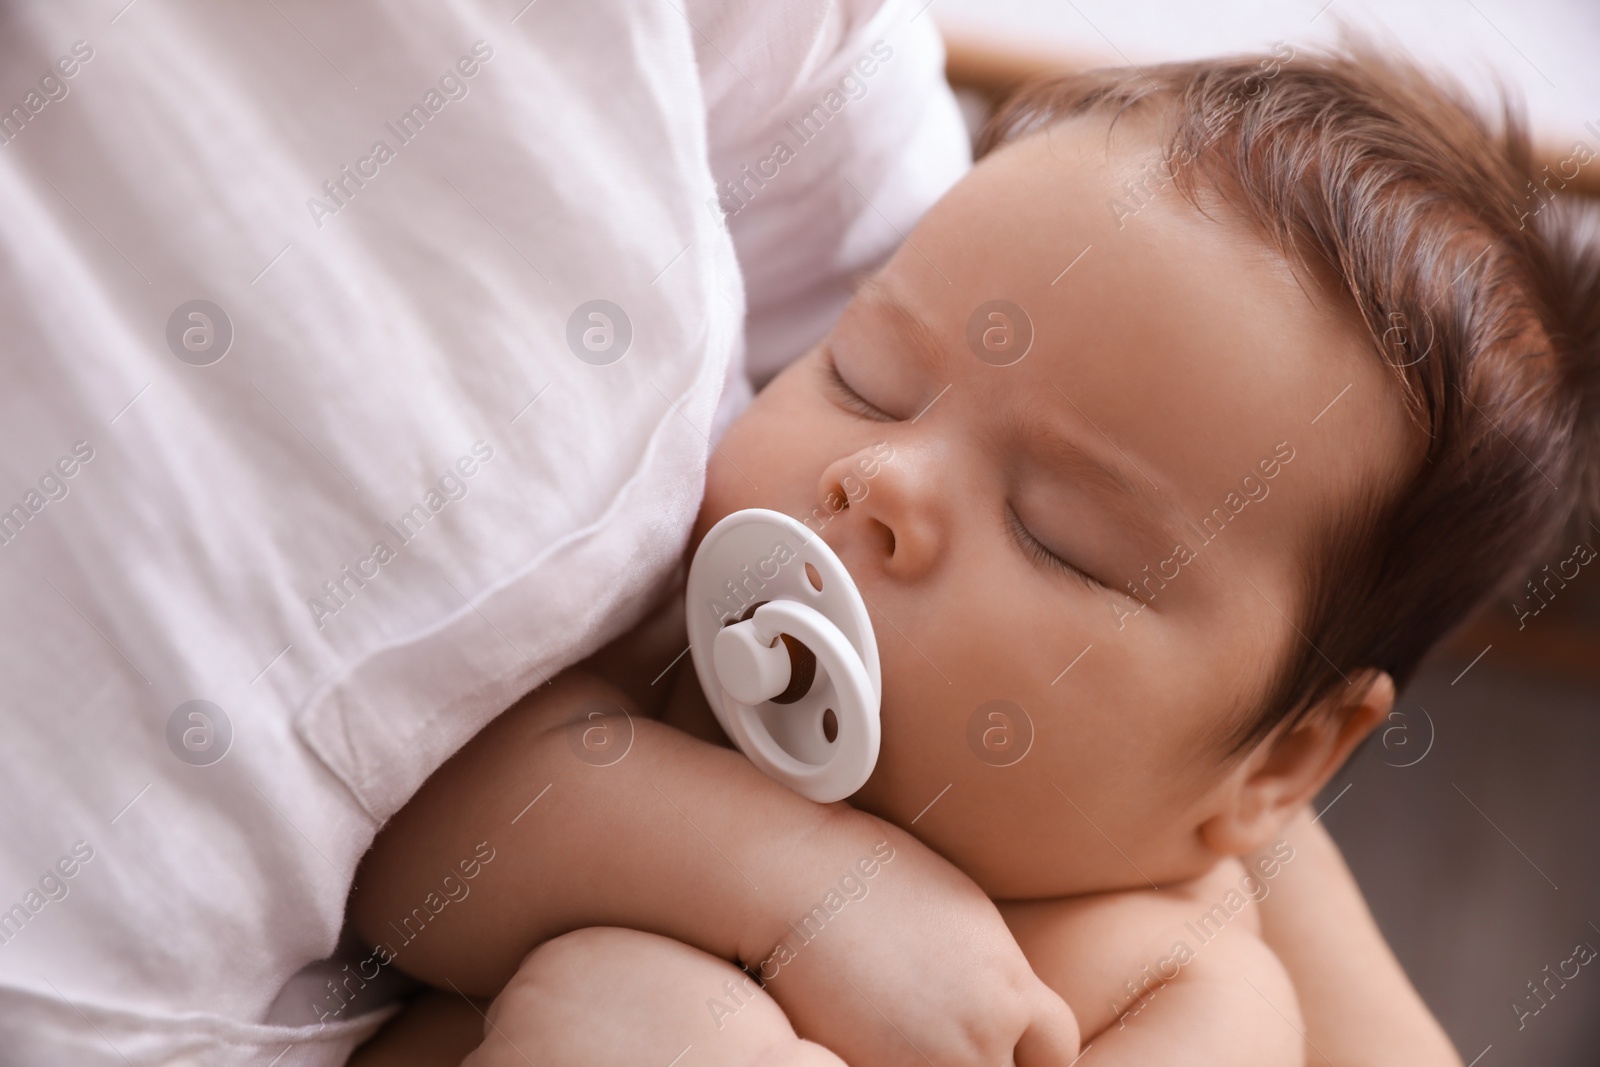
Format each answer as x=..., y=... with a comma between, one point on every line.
x=395, y=498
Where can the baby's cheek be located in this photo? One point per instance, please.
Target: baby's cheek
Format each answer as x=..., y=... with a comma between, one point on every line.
x=916, y=758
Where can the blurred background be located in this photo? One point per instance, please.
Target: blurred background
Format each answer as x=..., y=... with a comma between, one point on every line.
x=1471, y=819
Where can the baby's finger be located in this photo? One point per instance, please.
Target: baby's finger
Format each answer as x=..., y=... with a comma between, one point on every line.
x=1052, y=1038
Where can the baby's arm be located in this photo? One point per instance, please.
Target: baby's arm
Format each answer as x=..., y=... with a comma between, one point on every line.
x=688, y=840
x=635, y=843
x=1361, y=1010
x=1156, y=976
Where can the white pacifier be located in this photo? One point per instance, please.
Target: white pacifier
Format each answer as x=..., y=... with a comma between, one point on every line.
x=794, y=682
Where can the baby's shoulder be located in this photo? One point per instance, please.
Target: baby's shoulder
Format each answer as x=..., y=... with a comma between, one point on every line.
x=1107, y=953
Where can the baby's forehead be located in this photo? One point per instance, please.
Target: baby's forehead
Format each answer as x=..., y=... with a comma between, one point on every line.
x=1179, y=342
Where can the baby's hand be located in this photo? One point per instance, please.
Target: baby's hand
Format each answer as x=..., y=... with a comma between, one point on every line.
x=920, y=970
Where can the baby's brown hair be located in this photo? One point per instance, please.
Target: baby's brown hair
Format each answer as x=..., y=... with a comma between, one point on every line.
x=1477, y=276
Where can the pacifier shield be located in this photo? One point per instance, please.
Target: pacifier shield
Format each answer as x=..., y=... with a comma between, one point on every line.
x=817, y=730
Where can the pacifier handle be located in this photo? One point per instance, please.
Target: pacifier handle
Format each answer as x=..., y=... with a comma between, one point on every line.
x=752, y=668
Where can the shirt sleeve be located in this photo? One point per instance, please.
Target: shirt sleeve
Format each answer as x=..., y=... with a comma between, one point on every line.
x=831, y=131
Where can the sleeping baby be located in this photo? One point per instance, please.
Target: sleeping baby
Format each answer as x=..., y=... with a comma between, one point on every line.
x=1161, y=452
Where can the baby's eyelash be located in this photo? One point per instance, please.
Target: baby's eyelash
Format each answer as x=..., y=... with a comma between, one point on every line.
x=1032, y=546
x=848, y=396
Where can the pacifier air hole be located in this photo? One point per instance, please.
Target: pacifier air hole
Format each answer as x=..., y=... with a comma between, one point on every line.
x=813, y=577
x=830, y=725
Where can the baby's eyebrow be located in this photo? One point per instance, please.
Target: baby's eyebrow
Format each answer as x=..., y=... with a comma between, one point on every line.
x=926, y=347
x=1117, y=480
x=1064, y=452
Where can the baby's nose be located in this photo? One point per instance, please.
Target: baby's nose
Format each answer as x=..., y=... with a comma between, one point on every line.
x=890, y=518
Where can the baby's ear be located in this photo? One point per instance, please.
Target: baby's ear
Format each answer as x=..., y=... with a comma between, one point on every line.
x=1286, y=769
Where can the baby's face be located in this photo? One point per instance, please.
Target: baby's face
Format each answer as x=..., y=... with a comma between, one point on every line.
x=1169, y=426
